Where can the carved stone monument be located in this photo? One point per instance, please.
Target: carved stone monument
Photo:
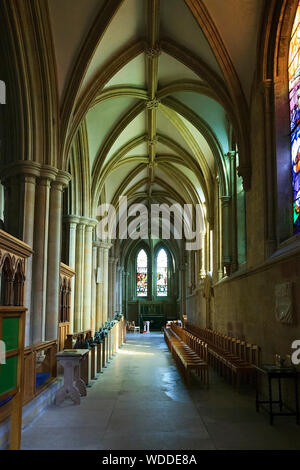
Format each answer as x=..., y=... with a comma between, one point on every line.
x=284, y=302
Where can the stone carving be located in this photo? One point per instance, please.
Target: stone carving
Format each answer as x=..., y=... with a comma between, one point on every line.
x=153, y=52
x=153, y=104
x=284, y=302
x=208, y=291
x=152, y=142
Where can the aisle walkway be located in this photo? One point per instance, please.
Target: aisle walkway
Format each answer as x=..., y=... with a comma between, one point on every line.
x=140, y=402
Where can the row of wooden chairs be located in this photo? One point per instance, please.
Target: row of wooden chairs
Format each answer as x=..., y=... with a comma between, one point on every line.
x=196, y=344
x=231, y=357
x=187, y=357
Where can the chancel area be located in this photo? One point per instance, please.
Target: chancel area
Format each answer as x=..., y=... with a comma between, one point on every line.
x=150, y=224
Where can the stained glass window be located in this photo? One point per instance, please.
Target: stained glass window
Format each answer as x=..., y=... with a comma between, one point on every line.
x=294, y=97
x=141, y=274
x=162, y=273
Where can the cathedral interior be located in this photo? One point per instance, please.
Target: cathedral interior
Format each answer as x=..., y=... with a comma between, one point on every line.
x=110, y=110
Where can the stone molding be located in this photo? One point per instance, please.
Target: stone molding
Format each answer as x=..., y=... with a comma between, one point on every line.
x=33, y=169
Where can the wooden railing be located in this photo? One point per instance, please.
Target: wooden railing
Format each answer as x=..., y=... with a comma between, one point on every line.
x=63, y=332
x=40, y=368
x=13, y=256
x=101, y=352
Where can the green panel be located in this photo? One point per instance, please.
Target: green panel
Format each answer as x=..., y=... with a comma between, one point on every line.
x=10, y=333
x=8, y=374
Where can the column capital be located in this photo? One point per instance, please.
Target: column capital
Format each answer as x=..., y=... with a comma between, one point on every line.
x=44, y=181
x=63, y=178
x=225, y=200
x=57, y=186
x=102, y=244
x=34, y=169
x=89, y=228
x=267, y=83
x=48, y=172
x=20, y=167
x=81, y=226
x=71, y=219
x=87, y=221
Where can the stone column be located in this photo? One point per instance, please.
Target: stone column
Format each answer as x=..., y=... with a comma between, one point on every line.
x=110, y=286
x=54, y=254
x=54, y=250
x=105, y=283
x=99, y=285
x=225, y=200
x=233, y=217
x=183, y=290
x=219, y=233
x=28, y=236
x=203, y=255
x=120, y=300
x=71, y=222
x=269, y=173
x=114, y=287
x=12, y=206
x=87, y=278
x=79, y=277
x=94, y=280
x=125, y=290
x=40, y=259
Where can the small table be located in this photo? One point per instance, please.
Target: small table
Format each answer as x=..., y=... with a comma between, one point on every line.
x=74, y=386
x=277, y=372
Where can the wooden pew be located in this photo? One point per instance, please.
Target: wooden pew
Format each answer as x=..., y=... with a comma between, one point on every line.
x=186, y=358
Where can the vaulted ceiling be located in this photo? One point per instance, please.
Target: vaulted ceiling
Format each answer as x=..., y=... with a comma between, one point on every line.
x=158, y=101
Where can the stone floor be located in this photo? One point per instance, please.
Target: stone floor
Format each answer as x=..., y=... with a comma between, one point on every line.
x=140, y=402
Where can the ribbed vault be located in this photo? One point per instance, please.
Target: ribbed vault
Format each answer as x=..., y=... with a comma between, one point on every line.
x=156, y=99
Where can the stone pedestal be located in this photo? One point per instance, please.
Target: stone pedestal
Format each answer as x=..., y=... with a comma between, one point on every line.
x=74, y=386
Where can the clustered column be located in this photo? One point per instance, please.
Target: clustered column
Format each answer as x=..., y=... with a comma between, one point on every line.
x=83, y=277
x=54, y=256
x=71, y=223
x=33, y=211
x=29, y=184
x=101, y=282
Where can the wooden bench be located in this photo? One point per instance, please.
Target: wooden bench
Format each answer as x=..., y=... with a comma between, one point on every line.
x=186, y=358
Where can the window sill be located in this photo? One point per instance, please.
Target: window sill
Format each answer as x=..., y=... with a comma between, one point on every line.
x=289, y=246
x=288, y=249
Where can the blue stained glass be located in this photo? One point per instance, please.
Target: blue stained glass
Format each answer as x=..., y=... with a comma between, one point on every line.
x=294, y=97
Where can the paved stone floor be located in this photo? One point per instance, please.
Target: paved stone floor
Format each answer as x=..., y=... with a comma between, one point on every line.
x=141, y=402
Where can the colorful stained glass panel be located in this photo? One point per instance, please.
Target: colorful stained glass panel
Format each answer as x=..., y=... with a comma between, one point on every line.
x=294, y=96
x=141, y=274
x=162, y=274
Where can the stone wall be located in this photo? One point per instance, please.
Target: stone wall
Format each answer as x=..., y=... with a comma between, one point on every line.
x=245, y=307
